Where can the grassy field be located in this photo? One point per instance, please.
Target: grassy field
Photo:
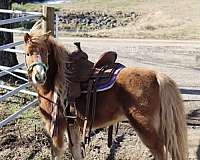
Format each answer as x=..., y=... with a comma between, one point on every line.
x=85, y=5
x=158, y=19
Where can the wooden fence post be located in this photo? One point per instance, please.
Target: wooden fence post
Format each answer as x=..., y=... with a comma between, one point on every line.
x=48, y=22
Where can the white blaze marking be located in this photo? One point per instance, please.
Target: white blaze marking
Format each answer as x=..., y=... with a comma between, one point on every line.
x=38, y=69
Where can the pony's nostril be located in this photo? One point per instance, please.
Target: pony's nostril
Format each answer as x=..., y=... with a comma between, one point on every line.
x=45, y=77
x=40, y=78
x=37, y=77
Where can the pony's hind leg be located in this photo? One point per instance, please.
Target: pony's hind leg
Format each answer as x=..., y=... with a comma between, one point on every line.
x=149, y=136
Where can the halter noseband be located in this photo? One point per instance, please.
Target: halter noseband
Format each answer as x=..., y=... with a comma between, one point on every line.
x=30, y=67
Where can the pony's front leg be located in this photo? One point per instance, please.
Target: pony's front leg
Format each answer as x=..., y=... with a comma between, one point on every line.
x=57, y=147
x=73, y=134
x=57, y=139
x=55, y=153
x=56, y=143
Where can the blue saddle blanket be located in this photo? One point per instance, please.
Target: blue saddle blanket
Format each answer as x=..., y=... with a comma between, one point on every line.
x=109, y=84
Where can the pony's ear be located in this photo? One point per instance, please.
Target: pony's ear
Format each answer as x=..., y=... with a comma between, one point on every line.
x=27, y=38
x=46, y=35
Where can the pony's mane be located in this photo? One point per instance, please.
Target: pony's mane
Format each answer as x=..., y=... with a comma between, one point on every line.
x=60, y=56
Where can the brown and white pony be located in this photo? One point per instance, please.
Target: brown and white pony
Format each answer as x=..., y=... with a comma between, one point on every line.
x=150, y=100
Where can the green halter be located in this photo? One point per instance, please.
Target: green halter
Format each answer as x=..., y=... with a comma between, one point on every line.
x=45, y=66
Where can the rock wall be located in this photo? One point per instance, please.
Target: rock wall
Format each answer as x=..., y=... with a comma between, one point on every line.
x=94, y=20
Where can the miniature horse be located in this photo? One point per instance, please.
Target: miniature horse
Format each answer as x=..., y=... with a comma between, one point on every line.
x=150, y=101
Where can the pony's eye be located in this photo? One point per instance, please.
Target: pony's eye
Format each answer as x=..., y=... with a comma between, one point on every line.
x=28, y=54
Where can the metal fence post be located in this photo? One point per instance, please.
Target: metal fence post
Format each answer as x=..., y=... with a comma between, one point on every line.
x=57, y=21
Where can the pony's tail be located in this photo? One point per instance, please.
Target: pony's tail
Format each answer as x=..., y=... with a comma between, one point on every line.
x=173, y=126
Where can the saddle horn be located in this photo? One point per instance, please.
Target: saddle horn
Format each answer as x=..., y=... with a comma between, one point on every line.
x=79, y=53
x=78, y=45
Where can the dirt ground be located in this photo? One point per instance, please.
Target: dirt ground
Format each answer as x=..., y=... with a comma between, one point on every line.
x=24, y=139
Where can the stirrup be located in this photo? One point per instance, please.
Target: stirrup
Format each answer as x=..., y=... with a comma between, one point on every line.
x=70, y=117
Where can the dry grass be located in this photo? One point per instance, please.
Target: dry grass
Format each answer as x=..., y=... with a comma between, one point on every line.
x=158, y=19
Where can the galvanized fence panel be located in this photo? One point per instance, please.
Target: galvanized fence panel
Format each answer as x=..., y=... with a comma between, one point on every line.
x=17, y=68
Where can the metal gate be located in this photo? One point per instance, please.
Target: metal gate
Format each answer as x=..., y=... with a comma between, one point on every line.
x=22, y=16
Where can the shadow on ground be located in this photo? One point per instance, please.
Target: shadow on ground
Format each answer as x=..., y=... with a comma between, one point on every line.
x=190, y=91
x=114, y=147
x=198, y=152
x=193, y=118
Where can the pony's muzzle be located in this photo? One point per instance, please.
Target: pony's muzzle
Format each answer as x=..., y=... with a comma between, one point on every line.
x=38, y=75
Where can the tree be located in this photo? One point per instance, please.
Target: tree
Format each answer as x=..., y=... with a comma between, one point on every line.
x=6, y=58
x=26, y=1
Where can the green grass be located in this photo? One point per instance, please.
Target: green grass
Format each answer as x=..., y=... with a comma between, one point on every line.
x=104, y=5
x=82, y=5
x=27, y=7
x=37, y=7
x=14, y=103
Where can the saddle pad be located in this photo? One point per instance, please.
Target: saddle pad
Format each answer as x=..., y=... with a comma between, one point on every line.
x=110, y=82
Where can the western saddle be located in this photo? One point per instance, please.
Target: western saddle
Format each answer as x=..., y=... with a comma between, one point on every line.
x=83, y=75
